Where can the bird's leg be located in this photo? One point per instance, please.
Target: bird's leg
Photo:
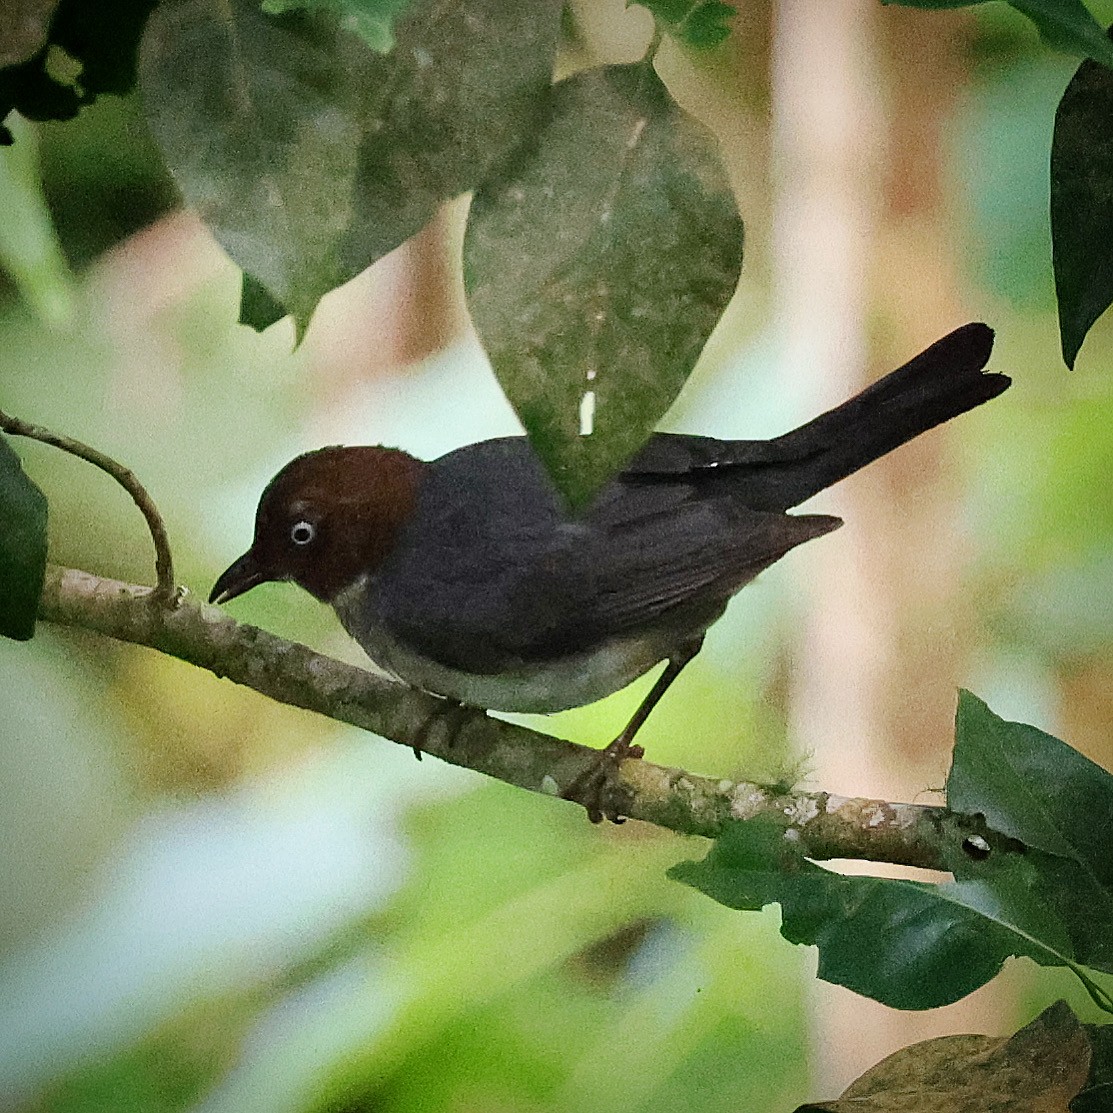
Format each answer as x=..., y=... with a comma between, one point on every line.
x=452, y=711
x=593, y=787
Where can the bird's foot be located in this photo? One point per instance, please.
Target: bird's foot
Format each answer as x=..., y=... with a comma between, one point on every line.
x=595, y=788
x=449, y=711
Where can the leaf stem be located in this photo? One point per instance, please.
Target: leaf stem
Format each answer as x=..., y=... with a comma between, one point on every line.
x=164, y=591
x=1098, y=993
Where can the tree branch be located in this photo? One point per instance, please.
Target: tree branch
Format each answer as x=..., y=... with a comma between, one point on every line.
x=164, y=592
x=822, y=825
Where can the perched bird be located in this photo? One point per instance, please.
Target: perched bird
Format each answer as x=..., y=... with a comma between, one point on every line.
x=468, y=577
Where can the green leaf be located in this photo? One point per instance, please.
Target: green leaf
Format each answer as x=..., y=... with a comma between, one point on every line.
x=102, y=39
x=308, y=155
x=910, y=945
x=29, y=250
x=1082, y=204
x=596, y=266
x=907, y=944
x=916, y=945
x=371, y=20
x=1037, y=1070
x=22, y=547
x=1033, y=787
x=1069, y=26
x=258, y=309
x=1064, y=24
x=1038, y=790
x=697, y=23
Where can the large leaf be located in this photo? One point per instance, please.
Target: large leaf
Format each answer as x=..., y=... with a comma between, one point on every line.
x=1033, y=787
x=596, y=266
x=1065, y=24
x=22, y=547
x=917, y=945
x=911, y=945
x=1082, y=204
x=310, y=156
x=1037, y=1070
x=1068, y=25
x=102, y=38
x=1045, y=794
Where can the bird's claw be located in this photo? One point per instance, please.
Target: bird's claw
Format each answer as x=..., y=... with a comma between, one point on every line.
x=453, y=713
x=596, y=786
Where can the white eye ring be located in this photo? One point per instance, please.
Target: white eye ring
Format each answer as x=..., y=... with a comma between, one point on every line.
x=301, y=533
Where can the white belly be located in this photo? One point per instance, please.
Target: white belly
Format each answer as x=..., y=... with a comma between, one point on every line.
x=554, y=685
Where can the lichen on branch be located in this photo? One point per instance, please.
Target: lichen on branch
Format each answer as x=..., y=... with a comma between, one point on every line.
x=820, y=825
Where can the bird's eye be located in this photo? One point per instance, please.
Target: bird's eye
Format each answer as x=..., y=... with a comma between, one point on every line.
x=301, y=533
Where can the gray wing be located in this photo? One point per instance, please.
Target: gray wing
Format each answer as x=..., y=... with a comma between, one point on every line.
x=689, y=557
x=503, y=576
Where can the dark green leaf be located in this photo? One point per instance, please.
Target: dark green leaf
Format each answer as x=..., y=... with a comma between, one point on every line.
x=708, y=25
x=22, y=547
x=1097, y=1095
x=310, y=156
x=1065, y=24
x=258, y=308
x=1031, y=786
x=102, y=39
x=371, y=20
x=596, y=266
x=1037, y=1070
x=1082, y=204
x=908, y=944
x=698, y=23
x=917, y=945
x=1040, y=791
x=30, y=90
x=1068, y=25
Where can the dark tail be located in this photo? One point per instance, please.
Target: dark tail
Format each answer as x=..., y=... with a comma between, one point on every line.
x=940, y=383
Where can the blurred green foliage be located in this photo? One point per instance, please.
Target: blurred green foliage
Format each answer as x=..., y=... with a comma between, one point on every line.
x=216, y=903
x=251, y=909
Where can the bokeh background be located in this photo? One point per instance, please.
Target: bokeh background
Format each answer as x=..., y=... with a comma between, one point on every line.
x=211, y=902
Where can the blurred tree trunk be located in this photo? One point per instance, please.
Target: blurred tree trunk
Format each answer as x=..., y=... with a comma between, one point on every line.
x=1086, y=703
x=867, y=276
x=405, y=308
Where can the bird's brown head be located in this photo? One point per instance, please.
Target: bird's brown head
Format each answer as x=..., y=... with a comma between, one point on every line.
x=325, y=519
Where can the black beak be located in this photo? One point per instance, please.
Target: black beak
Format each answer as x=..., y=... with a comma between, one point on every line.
x=240, y=577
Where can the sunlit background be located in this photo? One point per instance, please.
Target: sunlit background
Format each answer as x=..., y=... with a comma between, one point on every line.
x=212, y=902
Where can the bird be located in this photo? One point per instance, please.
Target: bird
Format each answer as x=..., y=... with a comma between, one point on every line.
x=469, y=577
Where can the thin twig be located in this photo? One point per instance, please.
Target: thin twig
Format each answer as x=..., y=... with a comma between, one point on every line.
x=164, y=590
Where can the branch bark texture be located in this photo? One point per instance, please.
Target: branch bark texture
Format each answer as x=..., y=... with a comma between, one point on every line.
x=822, y=825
